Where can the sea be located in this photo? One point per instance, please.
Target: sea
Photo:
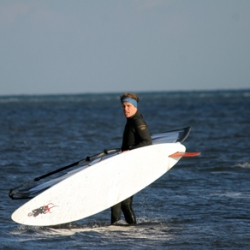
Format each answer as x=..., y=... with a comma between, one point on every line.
x=203, y=202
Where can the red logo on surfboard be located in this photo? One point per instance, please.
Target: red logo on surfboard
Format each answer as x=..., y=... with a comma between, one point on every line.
x=41, y=210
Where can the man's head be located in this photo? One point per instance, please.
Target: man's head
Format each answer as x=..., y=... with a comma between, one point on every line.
x=129, y=103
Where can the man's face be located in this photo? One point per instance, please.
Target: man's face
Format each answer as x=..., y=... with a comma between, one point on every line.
x=128, y=109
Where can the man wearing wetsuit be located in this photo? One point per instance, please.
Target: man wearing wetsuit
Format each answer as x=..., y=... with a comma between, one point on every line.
x=135, y=135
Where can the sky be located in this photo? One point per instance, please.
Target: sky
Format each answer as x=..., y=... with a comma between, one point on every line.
x=98, y=46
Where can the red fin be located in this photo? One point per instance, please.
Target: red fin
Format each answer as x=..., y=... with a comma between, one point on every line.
x=185, y=154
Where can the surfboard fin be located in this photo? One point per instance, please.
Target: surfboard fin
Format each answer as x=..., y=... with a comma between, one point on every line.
x=184, y=154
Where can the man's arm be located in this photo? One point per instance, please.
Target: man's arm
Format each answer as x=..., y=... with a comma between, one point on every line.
x=143, y=134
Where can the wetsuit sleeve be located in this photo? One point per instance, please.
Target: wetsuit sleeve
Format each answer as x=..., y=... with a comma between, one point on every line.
x=143, y=134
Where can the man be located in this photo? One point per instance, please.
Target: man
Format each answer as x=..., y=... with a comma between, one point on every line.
x=135, y=135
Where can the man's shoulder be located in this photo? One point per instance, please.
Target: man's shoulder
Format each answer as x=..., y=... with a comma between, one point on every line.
x=138, y=119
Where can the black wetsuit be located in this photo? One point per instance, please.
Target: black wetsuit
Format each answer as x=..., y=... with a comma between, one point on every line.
x=135, y=135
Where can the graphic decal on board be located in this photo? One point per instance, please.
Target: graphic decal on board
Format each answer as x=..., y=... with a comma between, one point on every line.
x=41, y=210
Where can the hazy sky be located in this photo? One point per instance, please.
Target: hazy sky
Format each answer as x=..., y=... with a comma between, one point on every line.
x=84, y=46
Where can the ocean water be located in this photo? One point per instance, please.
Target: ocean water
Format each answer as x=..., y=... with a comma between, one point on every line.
x=201, y=203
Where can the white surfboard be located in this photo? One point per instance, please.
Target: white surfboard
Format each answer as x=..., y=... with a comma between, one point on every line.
x=98, y=187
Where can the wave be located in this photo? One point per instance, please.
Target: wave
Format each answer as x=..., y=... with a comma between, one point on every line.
x=243, y=165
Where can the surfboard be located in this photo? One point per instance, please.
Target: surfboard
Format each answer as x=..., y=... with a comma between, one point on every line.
x=100, y=186
x=99, y=182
